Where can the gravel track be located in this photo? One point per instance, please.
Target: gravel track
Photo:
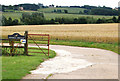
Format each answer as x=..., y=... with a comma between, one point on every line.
x=97, y=64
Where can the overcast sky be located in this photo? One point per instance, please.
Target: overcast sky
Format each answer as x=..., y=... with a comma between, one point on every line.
x=108, y=3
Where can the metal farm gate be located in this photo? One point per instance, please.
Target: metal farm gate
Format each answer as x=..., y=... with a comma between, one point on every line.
x=23, y=43
x=39, y=41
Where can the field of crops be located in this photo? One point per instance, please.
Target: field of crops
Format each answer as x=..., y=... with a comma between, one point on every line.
x=106, y=33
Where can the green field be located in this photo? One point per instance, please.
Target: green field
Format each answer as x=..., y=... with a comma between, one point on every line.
x=59, y=15
x=17, y=67
x=49, y=13
x=13, y=15
x=70, y=10
x=18, y=15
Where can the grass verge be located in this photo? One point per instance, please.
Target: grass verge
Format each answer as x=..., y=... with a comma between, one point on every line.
x=112, y=47
x=107, y=46
x=17, y=67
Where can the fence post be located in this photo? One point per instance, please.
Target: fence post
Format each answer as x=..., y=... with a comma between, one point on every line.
x=26, y=44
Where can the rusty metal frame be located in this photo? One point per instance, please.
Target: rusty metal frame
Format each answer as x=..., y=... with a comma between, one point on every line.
x=39, y=48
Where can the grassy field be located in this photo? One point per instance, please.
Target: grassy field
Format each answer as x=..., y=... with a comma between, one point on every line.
x=59, y=15
x=18, y=15
x=106, y=46
x=70, y=10
x=13, y=15
x=18, y=66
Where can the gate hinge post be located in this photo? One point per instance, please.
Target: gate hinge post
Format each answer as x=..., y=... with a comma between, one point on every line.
x=26, y=44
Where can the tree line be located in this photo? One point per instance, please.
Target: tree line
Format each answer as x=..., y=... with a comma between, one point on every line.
x=94, y=10
x=39, y=19
x=89, y=10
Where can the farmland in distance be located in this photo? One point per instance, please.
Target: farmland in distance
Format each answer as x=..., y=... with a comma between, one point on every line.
x=18, y=15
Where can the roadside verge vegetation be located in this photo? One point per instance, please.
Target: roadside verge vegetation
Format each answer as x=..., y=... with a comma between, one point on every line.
x=17, y=67
x=107, y=46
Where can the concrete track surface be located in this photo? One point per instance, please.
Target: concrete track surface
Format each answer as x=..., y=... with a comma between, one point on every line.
x=104, y=64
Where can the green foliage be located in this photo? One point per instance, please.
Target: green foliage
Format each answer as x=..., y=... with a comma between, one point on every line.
x=13, y=15
x=103, y=20
x=119, y=19
x=103, y=11
x=15, y=22
x=86, y=12
x=66, y=11
x=115, y=19
x=38, y=19
x=16, y=51
x=80, y=12
x=33, y=19
x=110, y=21
x=9, y=21
x=27, y=18
x=59, y=11
x=52, y=21
x=4, y=21
x=60, y=20
x=99, y=21
x=59, y=15
x=91, y=20
x=82, y=20
x=33, y=7
x=18, y=15
x=86, y=9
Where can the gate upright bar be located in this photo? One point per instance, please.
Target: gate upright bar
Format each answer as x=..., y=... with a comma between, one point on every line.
x=48, y=43
x=26, y=44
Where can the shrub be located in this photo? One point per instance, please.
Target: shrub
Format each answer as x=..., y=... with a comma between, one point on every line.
x=33, y=19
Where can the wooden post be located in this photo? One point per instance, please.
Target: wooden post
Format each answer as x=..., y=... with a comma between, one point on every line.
x=26, y=44
x=12, y=49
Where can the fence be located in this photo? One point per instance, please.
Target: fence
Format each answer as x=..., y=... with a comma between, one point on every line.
x=17, y=41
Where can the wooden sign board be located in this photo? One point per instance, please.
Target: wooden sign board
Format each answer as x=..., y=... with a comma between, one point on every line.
x=16, y=36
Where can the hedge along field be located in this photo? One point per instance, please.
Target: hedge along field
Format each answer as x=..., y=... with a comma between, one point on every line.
x=105, y=33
